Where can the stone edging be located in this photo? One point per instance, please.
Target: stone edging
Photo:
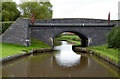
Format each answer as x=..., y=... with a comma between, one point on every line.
x=11, y=58
x=98, y=55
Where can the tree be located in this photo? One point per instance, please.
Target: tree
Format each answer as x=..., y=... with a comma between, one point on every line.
x=41, y=10
x=9, y=11
x=114, y=38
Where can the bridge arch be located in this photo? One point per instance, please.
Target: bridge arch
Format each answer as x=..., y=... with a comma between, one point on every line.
x=94, y=31
x=83, y=37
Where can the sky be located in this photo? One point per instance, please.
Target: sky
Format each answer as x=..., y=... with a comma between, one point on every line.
x=97, y=9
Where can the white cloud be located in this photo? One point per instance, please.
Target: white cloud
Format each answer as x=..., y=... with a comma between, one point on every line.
x=98, y=9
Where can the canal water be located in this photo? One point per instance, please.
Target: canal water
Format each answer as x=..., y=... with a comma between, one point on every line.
x=62, y=62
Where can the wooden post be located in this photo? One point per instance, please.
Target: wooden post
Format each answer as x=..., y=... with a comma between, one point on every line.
x=109, y=18
x=32, y=18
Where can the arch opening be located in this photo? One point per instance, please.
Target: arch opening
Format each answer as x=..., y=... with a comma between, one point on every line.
x=76, y=36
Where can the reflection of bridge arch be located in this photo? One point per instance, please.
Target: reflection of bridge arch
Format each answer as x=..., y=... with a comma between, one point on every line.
x=84, y=39
x=81, y=65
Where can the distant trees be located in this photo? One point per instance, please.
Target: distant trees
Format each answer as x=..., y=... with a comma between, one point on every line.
x=41, y=10
x=114, y=38
x=9, y=11
x=5, y=26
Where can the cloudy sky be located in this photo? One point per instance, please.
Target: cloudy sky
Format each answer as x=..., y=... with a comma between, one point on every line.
x=97, y=9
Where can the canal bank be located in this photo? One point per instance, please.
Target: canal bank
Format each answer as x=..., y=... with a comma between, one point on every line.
x=82, y=64
x=110, y=55
x=12, y=52
x=99, y=53
x=63, y=62
x=17, y=56
x=13, y=49
x=74, y=39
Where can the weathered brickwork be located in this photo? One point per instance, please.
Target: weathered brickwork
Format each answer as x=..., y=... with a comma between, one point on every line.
x=94, y=35
x=17, y=33
x=21, y=31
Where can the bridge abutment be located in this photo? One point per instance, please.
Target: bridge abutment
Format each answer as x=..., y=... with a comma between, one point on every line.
x=17, y=33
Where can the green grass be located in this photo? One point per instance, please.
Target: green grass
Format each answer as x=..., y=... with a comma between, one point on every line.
x=71, y=38
x=7, y=22
x=73, y=41
x=106, y=52
x=12, y=49
x=77, y=42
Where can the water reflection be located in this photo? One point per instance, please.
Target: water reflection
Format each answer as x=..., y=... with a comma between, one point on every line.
x=66, y=56
x=61, y=63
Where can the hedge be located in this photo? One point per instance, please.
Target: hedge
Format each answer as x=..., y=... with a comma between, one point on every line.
x=114, y=38
x=5, y=25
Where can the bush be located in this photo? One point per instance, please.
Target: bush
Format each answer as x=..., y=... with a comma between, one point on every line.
x=114, y=38
x=9, y=11
x=5, y=26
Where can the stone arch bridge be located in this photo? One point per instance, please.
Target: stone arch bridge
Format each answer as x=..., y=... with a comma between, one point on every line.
x=93, y=32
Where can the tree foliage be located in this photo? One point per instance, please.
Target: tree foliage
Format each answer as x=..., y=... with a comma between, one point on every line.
x=114, y=38
x=9, y=11
x=41, y=10
x=5, y=26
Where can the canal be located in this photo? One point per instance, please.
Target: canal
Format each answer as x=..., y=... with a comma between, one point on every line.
x=62, y=62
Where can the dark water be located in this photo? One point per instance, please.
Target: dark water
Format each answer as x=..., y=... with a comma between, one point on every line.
x=63, y=62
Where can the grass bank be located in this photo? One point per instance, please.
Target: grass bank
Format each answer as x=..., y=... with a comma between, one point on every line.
x=109, y=54
x=71, y=38
x=104, y=51
x=13, y=49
